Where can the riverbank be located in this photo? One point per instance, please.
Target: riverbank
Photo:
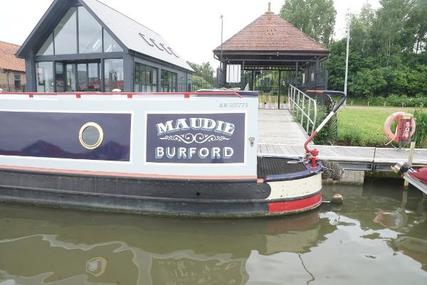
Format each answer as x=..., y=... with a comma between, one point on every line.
x=363, y=125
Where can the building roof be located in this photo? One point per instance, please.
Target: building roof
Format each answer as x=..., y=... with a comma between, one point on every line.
x=128, y=32
x=269, y=33
x=8, y=60
x=134, y=35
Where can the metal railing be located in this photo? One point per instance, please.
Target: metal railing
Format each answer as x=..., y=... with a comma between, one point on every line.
x=303, y=108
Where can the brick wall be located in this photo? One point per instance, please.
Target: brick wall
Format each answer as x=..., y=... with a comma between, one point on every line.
x=7, y=80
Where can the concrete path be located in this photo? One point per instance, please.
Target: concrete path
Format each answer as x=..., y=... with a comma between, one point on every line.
x=278, y=127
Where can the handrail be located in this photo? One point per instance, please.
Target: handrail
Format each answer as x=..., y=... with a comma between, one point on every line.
x=300, y=104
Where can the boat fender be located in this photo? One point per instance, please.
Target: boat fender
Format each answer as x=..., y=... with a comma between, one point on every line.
x=405, y=127
x=337, y=199
x=420, y=174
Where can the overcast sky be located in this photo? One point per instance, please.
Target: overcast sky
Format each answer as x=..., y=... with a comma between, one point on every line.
x=191, y=27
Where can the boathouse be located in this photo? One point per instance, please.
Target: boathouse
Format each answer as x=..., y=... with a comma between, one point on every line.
x=85, y=45
x=270, y=53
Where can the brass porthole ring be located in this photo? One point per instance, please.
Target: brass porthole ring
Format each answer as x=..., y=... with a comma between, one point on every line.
x=91, y=135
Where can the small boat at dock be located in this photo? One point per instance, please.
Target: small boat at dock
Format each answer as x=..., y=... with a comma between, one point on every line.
x=179, y=154
x=415, y=177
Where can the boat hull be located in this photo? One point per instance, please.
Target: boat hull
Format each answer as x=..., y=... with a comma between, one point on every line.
x=219, y=199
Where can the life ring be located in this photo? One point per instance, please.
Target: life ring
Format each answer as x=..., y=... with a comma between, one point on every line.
x=402, y=133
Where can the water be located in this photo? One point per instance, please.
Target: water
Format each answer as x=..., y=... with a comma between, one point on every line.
x=378, y=236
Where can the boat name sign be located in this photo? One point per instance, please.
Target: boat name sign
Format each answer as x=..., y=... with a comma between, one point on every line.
x=196, y=138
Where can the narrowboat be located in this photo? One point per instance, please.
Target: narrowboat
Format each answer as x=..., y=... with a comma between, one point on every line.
x=180, y=154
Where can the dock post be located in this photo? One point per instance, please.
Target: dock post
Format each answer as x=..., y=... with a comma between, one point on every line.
x=410, y=159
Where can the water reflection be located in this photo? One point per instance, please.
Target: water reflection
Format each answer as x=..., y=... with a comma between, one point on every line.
x=376, y=229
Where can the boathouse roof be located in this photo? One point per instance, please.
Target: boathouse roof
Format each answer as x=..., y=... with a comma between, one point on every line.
x=270, y=32
x=8, y=60
x=131, y=34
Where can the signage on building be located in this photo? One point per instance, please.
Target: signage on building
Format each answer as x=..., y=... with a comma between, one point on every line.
x=196, y=138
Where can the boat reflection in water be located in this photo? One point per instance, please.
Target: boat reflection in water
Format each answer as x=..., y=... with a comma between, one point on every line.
x=377, y=228
x=143, y=250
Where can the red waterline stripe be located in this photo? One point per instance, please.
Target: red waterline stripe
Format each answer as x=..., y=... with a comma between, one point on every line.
x=294, y=205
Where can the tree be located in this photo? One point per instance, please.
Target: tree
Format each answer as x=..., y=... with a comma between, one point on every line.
x=417, y=26
x=204, y=71
x=390, y=29
x=316, y=18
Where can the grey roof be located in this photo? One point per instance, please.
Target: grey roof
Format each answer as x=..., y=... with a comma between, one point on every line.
x=134, y=35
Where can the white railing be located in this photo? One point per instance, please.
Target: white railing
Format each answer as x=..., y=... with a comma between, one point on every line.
x=303, y=108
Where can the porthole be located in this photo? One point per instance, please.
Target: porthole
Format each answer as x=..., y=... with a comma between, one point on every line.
x=91, y=135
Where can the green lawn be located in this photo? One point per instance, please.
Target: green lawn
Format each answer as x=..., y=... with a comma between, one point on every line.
x=362, y=125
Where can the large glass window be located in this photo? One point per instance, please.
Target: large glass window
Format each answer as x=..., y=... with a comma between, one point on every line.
x=113, y=74
x=92, y=37
x=66, y=34
x=168, y=81
x=71, y=77
x=110, y=45
x=47, y=47
x=60, y=77
x=145, y=78
x=82, y=77
x=45, y=77
x=94, y=83
x=90, y=33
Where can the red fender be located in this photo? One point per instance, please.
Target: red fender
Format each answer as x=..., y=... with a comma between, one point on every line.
x=420, y=174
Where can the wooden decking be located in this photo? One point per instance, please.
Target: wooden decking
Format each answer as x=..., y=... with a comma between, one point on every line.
x=280, y=136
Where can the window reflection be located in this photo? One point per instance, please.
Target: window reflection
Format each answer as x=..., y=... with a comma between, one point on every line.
x=94, y=82
x=71, y=77
x=113, y=74
x=110, y=45
x=60, y=77
x=47, y=47
x=82, y=77
x=90, y=33
x=168, y=81
x=45, y=77
x=66, y=34
x=145, y=78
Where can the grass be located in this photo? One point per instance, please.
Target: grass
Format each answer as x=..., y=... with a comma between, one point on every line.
x=363, y=126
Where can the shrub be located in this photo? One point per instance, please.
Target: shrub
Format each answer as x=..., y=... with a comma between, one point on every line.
x=421, y=132
x=376, y=101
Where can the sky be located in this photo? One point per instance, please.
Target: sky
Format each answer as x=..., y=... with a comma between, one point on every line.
x=191, y=27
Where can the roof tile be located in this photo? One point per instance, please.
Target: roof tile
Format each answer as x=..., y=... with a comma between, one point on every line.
x=8, y=60
x=270, y=32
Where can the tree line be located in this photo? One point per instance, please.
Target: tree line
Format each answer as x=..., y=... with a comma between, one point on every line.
x=387, y=46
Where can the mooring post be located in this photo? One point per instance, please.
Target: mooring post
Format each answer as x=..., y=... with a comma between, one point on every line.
x=410, y=159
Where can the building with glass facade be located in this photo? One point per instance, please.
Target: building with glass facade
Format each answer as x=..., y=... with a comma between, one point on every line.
x=84, y=45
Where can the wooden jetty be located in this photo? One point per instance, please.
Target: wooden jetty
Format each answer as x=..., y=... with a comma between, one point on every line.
x=281, y=136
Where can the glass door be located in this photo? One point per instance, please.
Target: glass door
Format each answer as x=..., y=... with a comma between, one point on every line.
x=82, y=76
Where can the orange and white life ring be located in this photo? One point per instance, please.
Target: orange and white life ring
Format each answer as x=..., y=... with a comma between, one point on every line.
x=405, y=127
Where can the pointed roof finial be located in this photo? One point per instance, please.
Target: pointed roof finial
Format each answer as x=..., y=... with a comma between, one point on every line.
x=269, y=6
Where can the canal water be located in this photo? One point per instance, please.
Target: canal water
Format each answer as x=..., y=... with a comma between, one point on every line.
x=378, y=236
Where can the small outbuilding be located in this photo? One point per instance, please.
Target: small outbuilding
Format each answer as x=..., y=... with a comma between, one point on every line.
x=12, y=69
x=85, y=45
x=272, y=45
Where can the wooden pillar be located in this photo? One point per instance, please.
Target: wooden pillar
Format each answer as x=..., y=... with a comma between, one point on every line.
x=224, y=74
x=296, y=73
x=316, y=72
x=242, y=76
x=253, y=80
x=280, y=84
